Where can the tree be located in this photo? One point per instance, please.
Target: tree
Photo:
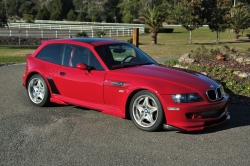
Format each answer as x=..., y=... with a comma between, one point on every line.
x=56, y=8
x=71, y=15
x=43, y=13
x=154, y=19
x=80, y=16
x=190, y=15
x=60, y=8
x=3, y=18
x=27, y=7
x=130, y=9
x=218, y=15
x=78, y=4
x=96, y=16
x=240, y=19
x=13, y=6
x=111, y=12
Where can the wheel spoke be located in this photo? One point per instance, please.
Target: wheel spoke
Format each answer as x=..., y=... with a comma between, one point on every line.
x=149, y=118
x=39, y=84
x=40, y=95
x=142, y=117
x=139, y=108
x=145, y=103
x=152, y=110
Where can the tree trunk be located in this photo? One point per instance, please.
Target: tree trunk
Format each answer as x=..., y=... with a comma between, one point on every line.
x=190, y=40
x=153, y=36
x=6, y=9
x=218, y=39
x=236, y=34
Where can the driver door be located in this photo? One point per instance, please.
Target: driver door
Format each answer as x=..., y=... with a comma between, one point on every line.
x=79, y=84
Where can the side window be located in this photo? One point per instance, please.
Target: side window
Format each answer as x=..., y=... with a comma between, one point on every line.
x=51, y=53
x=74, y=54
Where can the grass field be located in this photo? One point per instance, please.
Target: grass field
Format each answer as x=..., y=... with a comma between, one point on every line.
x=169, y=44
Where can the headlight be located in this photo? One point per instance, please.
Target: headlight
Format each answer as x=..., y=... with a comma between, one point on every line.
x=187, y=98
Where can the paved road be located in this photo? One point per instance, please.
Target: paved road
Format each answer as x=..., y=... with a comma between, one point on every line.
x=69, y=135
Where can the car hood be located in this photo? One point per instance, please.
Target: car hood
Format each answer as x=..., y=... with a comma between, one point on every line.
x=186, y=78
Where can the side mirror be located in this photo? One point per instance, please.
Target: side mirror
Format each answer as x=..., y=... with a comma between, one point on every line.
x=83, y=66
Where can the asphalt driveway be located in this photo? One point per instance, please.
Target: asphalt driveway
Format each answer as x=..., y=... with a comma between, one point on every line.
x=70, y=135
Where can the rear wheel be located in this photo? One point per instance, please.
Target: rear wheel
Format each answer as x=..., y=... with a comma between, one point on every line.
x=38, y=91
x=146, y=111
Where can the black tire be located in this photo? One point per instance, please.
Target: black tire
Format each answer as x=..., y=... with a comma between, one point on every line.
x=146, y=111
x=38, y=91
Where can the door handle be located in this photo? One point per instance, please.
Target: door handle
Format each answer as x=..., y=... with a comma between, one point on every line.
x=62, y=73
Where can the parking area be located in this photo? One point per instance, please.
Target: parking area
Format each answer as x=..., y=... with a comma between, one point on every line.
x=71, y=135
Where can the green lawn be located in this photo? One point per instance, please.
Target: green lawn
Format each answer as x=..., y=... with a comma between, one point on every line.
x=169, y=44
x=15, y=54
x=176, y=44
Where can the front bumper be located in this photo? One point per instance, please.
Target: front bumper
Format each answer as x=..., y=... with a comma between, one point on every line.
x=194, y=116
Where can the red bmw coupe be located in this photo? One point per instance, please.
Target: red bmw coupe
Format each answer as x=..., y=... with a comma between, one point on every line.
x=117, y=78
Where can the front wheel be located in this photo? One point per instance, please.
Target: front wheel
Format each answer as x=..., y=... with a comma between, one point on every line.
x=146, y=111
x=38, y=91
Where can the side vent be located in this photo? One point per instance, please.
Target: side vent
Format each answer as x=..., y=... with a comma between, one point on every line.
x=53, y=86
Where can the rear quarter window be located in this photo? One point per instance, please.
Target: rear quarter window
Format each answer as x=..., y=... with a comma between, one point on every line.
x=51, y=53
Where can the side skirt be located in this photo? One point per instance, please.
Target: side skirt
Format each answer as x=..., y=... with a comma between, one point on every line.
x=106, y=109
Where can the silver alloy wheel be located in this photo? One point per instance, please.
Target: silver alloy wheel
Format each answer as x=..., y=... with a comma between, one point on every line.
x=36, y=90
x=145, y=111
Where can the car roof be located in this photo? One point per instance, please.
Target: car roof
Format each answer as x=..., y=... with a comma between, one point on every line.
x=92, y=41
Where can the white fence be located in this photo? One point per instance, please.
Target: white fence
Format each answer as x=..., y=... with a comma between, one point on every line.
x=61, y=33
x=71, y=27
x=85, y=23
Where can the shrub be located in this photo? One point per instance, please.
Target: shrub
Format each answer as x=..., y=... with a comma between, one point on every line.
x=202, y=53
x=99, y=33
x=130, y=40
x=28, y=18
x=81, y=34
x=172, y=62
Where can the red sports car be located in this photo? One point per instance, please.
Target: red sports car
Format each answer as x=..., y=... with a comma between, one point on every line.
x=117, y=78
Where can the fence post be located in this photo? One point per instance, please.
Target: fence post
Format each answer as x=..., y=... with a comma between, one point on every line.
x=56, y=33
x=60, y=27
x=117, y=33
x=123, y=31
x=39, y=26
x=136, y=36
x=69, y=34
x=42, y=33
x=27, y=33
x=92, y=33
x=109, y=33
x=50, y=27
x=10, y=32
x=29, y=26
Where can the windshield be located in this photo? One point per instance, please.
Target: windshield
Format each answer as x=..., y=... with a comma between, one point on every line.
x=122, y=55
